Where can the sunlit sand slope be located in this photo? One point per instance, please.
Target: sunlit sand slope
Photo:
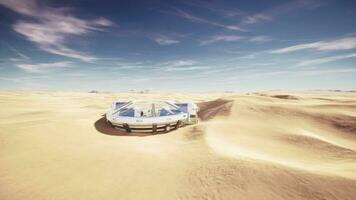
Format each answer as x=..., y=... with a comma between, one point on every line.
x=257, y=146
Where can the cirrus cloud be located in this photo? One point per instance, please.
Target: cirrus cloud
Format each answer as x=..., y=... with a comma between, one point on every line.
x=338, y=44
x=222, y=38
x=322, y=60
x=195, y=19
x=165, y=41
x=40, y=67
x=50, y=28
x=260, y=39
x=181, y=65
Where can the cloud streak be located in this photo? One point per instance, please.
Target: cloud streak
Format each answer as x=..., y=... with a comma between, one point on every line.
x=41, y=67
x=215, y=8
x=270, y=14
x=260, y=39
x=191, y=68
x=253, y=19
x=195, y=19
x=180, y=65
x=339, y=44
x=222, y=38
x=50, y=28
x=235, y=38
x=326, y=59
x=165, y=41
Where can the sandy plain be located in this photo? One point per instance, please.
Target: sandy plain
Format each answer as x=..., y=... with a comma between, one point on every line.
x=274, y=145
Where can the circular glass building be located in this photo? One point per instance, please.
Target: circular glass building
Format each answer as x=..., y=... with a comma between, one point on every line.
x=151, y=115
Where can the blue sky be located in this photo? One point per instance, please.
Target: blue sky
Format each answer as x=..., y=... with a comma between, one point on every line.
x=82, y=45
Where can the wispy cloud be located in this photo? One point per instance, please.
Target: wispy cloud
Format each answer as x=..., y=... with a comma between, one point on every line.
x=195, y=19
x=253, y=19
x=41, y=67
x=165, y=41
x=271, y=13
x=20, y=55
x=260, y=39
x=249, y=56
x=216, y=8
x=15, y=55
x=180, y=65
x=51, y=28
x=325, y=59
x=339, y=44
x=191, y=68
x=183, y=63
x=129, y=65
x=235, y=38
x=222, y=38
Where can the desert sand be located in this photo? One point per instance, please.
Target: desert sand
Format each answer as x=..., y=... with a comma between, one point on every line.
x=275, y=145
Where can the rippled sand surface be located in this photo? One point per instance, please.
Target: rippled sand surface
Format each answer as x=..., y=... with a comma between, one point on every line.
x=274, y=145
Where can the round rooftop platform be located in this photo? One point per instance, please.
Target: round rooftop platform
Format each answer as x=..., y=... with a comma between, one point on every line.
x=146, y=109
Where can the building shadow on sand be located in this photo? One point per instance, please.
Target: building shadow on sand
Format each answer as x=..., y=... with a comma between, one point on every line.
x=104, y=127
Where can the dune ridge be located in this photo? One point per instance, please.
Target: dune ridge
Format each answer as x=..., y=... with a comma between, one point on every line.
x=285, y=128
x=253, y=146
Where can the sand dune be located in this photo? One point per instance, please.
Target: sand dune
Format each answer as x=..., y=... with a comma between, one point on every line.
x=274, y=145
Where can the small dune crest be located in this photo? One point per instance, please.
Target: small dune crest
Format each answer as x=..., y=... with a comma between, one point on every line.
x=211, y=109
x=285, y=96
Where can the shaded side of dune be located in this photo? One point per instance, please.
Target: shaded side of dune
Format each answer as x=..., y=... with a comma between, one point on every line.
x=211, y=109
x=279, y=96
x=285, y=96
x=343, y=123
